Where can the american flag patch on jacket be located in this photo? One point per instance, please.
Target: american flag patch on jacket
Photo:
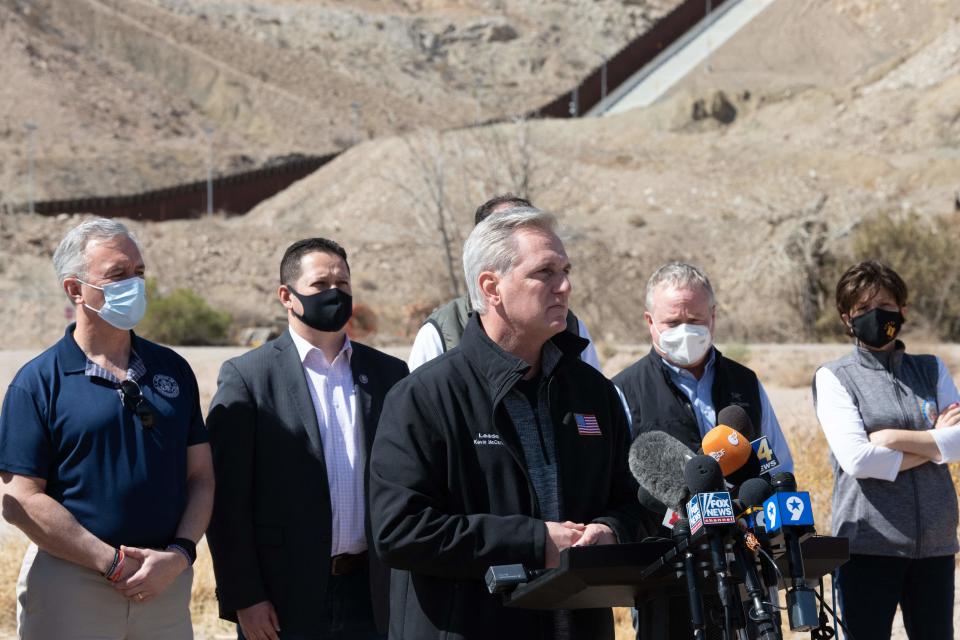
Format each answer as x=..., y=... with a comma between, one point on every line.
x=587, y=424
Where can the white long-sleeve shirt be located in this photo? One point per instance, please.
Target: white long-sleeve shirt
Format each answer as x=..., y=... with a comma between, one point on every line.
x=848, y=440
x=428, y=345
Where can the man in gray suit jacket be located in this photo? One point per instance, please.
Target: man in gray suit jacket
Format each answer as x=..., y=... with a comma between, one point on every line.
x=291, y=427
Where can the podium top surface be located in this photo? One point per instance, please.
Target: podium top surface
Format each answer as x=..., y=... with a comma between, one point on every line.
x=612, y=575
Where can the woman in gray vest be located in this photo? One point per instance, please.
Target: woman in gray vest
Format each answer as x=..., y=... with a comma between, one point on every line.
x=890, y=419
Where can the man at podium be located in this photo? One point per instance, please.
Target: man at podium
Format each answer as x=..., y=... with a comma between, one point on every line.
x=506, y=449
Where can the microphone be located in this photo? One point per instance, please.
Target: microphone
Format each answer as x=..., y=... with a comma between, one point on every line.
x=791, y=511
x=711, y=510
x=733, y=452
x=753, y=493
x=681, y=534
x=736, y=418
x=657, y=460
x=503, y=578
x=759, y=612
x=703, y=474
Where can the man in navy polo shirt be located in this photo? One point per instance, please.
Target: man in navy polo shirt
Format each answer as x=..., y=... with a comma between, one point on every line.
x=104, y=460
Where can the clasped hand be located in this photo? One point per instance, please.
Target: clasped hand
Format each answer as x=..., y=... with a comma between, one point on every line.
x=151, y=572
x=563, y=535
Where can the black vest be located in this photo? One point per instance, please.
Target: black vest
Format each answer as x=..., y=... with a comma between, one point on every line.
x=656, y=404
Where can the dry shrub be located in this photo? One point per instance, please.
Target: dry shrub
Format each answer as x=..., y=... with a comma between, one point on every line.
x=737, y=351
x=922, y=250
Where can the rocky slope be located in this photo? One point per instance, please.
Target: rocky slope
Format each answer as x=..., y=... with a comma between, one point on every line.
x=121, y=90
x=740, y=178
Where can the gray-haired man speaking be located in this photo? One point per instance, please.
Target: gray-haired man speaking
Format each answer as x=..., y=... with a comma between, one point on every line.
x=505, y=449
x=104, y=460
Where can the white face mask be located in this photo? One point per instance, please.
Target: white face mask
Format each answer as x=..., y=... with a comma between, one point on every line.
x=685, y=344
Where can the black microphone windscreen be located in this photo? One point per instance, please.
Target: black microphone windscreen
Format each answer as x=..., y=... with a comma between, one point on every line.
x=657, y=461
x=736, y=418
x=750, y=469
x=754, y=492
x=703, y=475
x=784, y=482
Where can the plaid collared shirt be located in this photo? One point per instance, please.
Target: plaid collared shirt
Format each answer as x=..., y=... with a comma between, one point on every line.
x=335, y=402
x=135, y=370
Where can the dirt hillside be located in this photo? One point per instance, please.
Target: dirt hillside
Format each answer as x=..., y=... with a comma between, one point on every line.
x=735, y=177
x=121, y=90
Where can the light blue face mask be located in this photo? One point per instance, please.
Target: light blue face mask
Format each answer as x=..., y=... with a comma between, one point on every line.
x=124, y=302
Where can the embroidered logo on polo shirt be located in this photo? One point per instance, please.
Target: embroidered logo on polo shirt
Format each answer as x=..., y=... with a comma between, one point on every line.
x=165, y=385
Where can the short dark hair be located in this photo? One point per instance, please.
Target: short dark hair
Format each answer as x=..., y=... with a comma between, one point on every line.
x=866, y=279
x=494, y=203
x=290, y=268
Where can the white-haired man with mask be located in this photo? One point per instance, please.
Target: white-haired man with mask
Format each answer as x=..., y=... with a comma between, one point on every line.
x=104, y=460
x=681, y=385
x=506, y=449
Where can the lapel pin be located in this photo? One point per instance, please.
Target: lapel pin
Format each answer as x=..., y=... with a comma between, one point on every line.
x=363, y=378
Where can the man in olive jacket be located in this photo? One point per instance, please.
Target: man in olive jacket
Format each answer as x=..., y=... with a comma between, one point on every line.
x=506, y=449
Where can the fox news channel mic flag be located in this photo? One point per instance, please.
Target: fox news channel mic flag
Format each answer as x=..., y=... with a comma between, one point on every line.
x=710, y=509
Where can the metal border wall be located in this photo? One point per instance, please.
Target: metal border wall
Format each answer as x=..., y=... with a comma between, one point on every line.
x=240, y=192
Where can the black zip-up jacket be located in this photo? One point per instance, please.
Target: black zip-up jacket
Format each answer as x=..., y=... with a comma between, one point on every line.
x=450, y=495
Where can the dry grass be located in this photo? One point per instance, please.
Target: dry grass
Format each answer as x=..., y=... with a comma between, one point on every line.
x=203, y=604
x=786, y=372
x=12, y=547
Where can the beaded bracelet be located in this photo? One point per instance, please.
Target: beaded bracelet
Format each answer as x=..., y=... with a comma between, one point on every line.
x=117, y=570
x=113, y=565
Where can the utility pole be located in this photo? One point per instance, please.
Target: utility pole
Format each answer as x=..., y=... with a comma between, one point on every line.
x=355, y=121
x=31, y=128
x=208, y=132
x=476, y=100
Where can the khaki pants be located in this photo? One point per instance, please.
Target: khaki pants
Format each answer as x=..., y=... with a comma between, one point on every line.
x=58, y=600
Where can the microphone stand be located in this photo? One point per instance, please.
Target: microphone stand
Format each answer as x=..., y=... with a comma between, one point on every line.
x=681, y=534
x=729, y=595
x=759, y=613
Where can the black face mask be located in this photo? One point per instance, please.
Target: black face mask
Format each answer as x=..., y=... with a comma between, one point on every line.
x=877, y=327
x=325, y=311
